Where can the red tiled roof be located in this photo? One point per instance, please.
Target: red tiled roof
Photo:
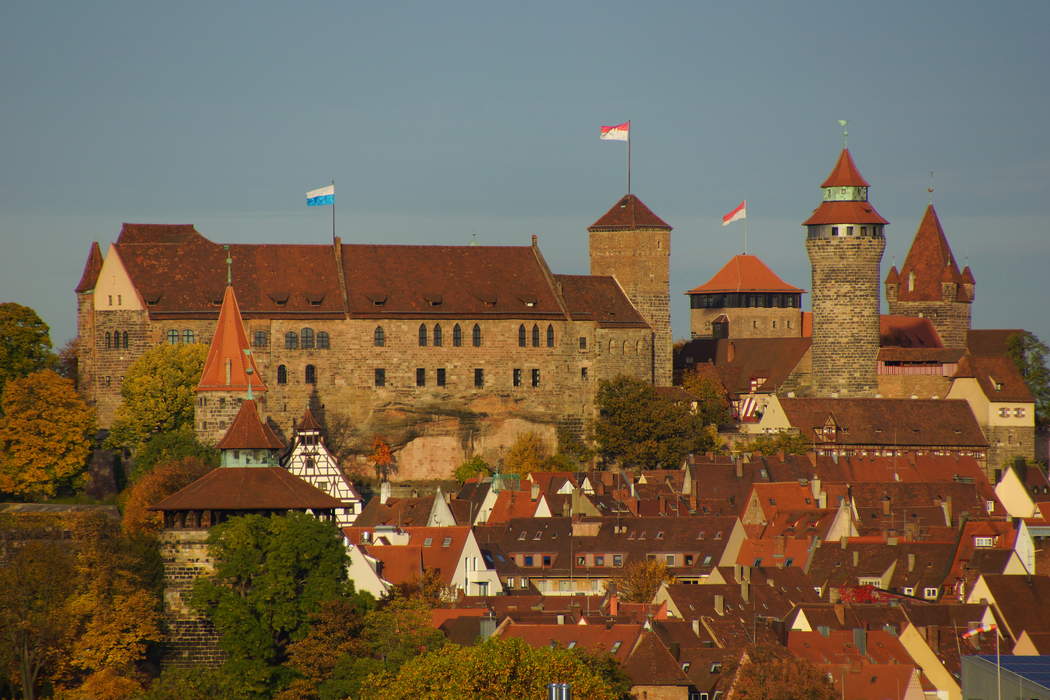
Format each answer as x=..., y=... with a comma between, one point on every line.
x=989, y=342
x=598, y=298
x=892, y=277
x=92, y=267
x=844, y=212
x=931, y=262
x=400, y=563
x=907, y=332
x=942, y=355
x=512, y=504
x=739, y=360
x=845, y=173
x=249, y=488
x=628, y=214
x=745, y=273
x=248, y=432
x=308, y=422
x=618, y=640
x=227, y=363
x=998, y=377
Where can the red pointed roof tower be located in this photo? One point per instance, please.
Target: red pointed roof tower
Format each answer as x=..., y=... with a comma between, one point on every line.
x=745, y=273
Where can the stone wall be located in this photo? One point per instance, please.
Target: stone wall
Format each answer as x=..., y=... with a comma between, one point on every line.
x=748, y=322
x=108, y=364
x=950, y=318
x=1005, y=443
x=904, y=386
x=192, y=640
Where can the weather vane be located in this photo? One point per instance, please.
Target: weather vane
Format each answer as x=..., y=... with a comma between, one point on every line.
x=930, y=188
x=845, y=134
x=229, y=266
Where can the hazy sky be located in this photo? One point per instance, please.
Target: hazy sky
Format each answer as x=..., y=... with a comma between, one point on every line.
x=440, y=120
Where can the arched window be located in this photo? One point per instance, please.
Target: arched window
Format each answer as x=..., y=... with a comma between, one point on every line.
x=124, y=337
x=422, y=335
x=187, y=337
x=550, y=336
x=535, y=336
x=476, y=336
x=379, y=337
x=291, y=340
x=521, y=335
x=437, y=335
x=109, y=339
x=282, y=374
x=639, y=346
x=457, y=336
x=173, y=336
x=623, y=349
x=322, y=340
x=307, y=338
x=311, y=374
x=612, y=346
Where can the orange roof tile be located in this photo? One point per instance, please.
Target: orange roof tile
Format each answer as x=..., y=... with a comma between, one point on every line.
x=227, y=363
x=618, y=640
x=998, y=377
x=92, y=267
x=848, y=212
x=845, y=173
x=248, y=432
x=512, y=504
x=745, y=273
x=628, y=214
x=929, y=262
x=249, y=488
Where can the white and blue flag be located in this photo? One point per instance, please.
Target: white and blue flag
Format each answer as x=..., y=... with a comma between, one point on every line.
x=321, y=196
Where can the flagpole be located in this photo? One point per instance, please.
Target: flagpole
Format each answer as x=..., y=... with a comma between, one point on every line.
x=998, y=669
x=628, y=156
x=333, y=210
x=745, y=234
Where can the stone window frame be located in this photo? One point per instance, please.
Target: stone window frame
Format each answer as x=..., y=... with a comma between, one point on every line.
x=109, y=340
x=457, y=336
x=124, y=338
x=479, y=377
x=379, y=337
x=438, y=336
x=260, y=339
x=516, y=376
x=291, y=340
x=173, y=337
x=188, y=336
x=550, y=335
x=310, y=374
x=421, y=376
x=422, y=335
x=535, y=335
x=440, y=376
x=379, y=377
x=306, y=338
x=475, y=335
x=535, y=377
x=522, y=337
x=324, y=341
x=282, y=374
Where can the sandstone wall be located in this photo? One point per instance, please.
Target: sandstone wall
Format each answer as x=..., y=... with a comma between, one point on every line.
x=192, y=640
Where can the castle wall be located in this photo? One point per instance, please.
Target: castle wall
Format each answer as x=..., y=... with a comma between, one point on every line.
x=950, y=318
x=903, y=386
x=192, y=640
x=106, y=366
x=748, y=322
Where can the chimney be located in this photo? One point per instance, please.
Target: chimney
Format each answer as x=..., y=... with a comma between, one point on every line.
x=856, y=558
x=720, y=609
x=614, y=605
x=739, y=464
x=745, y=591
x=487, y=626
x=534, y=493
x=696, y=628
x=384, y=492
x=860, y=640
x=911, y=561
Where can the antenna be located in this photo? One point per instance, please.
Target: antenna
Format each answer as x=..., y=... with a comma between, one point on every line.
x=229, y=266
x=248, y=370
x=930, y=188
x=845, y=133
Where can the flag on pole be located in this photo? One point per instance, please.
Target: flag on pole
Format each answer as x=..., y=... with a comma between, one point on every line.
x=977, y=630
x=620, y=132
x=321, y=196
x=736, y=215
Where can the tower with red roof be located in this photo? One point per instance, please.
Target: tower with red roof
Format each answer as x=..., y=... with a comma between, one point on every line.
x=930, y=284
x=845, y=242
x=632, y=244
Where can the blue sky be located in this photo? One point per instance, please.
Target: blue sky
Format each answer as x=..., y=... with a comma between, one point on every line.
x=439, y=121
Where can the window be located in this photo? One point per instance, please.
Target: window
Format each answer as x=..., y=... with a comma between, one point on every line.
x=282, y=374
x=437, y=335
x=421, y=376
x=291, y=340
x=446, y=542
x=476, y=336
x=908, y=590
x=616, y=647
x=440, y=376
x=422, y=335
x=547, y=560
x=380, y=377
x=617, y=560
x=669, y=558
x=528, y=560
x=173, y=337
x=521, y=336
x=834, y=230
x=109, y=339
x=479, y=377
x=550, y=336
x=428, y=541
x=457, y=336
x=1018, y=412
x=124, y=336
x=930, y=593
x=1004, y=412
x=307, y=337
x=583, y=373
x=379, y=337
x=599, y=560
x=517, y=377
x=535, y=377
x=583, y=342
x=260, y=339
x=535, y=336
x=311, y=374
x=983, y=541
x=322, y=340
x=581, y=560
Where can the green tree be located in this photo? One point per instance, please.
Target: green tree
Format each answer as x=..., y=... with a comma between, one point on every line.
x=175, y=445
x=573, y=453
x=158, y=394
x=788, y=442
x=45, y=435
x=475, y=466
x=400, y=629
x=25, y=342
x=319, y=657
x=271, y=576
x=712, y=402
x=641, y=580
x=527, y=454
x=496, y=668
x=639, y=428
x=1029, y=355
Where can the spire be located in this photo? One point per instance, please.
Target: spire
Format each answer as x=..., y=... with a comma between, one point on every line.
x=893, y=277
x=229, y=367
x=248, y=432
x=929, y=262
x=845, y=173
x=308, y=424
x=92, y=267
x=845, y=200
x=628, y=214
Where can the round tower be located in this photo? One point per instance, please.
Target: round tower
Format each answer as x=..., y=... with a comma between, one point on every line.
x=845, y=242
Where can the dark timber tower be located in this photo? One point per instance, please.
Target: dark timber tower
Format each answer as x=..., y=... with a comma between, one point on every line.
x=845, y=242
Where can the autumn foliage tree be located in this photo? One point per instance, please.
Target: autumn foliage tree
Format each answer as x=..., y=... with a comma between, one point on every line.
x=637, y=427
x=641, y=580
x=165, y=479
x=382, y=458
x=785, y=678
x=25, y=342
x=45, y=435
x=527, y=454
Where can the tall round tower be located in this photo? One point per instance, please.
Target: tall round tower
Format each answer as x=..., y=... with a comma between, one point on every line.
x=844, y=240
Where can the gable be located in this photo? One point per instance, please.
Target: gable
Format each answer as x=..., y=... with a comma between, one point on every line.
x=114, y=290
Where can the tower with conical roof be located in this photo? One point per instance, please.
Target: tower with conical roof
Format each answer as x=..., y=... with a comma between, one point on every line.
x=845, y=242
x=930, y=284
x=229, y=375
x=632, y=244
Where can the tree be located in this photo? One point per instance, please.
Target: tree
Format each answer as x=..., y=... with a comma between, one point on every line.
x=1029, y=355
x=788, y=442
x=400, y=629
x=789, y=678
x=712, y=402
x=167, y=447
x=158, y=393
x=271, y=576
x=473, y=467
x=45, y=435
x=527, y=454
x=25, y=342
x=382, y=458
x=165, y=479
x=496, y=668
x=573, y=453
x=335, y=633
x=637, y=427
x=641, y=580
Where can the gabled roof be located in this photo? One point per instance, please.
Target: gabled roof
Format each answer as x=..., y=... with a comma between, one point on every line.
x=249, y=489
x=908, y=332
x=617, y=640
x=308, y=422
x=739, y=360
x=845, y=173
x=248, y=432
x=598, y=298
x=931, y=262
x=226, y=368
x=92, y=266
x=990, y=342
x=401, y=512
x=745, y=273
x=998, y=378
x=629, y=214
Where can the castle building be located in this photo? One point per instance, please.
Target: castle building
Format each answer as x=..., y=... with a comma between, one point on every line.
x=845, y=242
x=930, y=284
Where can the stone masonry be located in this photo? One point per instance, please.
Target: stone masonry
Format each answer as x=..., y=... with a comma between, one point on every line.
x=192, y=640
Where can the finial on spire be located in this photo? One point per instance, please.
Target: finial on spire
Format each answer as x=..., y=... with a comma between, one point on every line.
x=229, y=266
x=248, y=372
x=473, y=239
x=930, y=188
x=845, y=134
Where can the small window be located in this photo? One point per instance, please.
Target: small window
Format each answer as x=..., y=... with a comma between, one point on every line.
x=282, y=374
x=187, y=336
x=476, y=336
x=583, y=342
x=260, y=339
x=173, y=337
x=311, y=374
x=438, y=340
x=124, y=337
x=291, y=340
x=440, y=378
x=428, y=541
x=421, y=376
x=479, y=377
x=535, y=336
x=599, y=560
x=322, y=340
x=307, y=337
x=834, y=230
x=422, y=335
x=616, y=647
x=669, y=559
x=446, y=542
x=535, y=377
x=930, y=593
x=521, y=336
x=617, y=560
x=380, y=376
x=457, y=336
x=550, y=335
x=581, y=560
x=109, y=339
x=1018, y=412
x=528, y=560
x=516, y=374
x=547, y=560
x=583, y=373
x=379, y=337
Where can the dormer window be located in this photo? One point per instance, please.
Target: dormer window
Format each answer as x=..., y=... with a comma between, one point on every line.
x=376, y=299
x=314, y=299
x=279, y=298
x=433, y=299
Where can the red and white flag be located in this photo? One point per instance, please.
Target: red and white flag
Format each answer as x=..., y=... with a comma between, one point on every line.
x=977, y=630
x=620, y=132
x=736, y=215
